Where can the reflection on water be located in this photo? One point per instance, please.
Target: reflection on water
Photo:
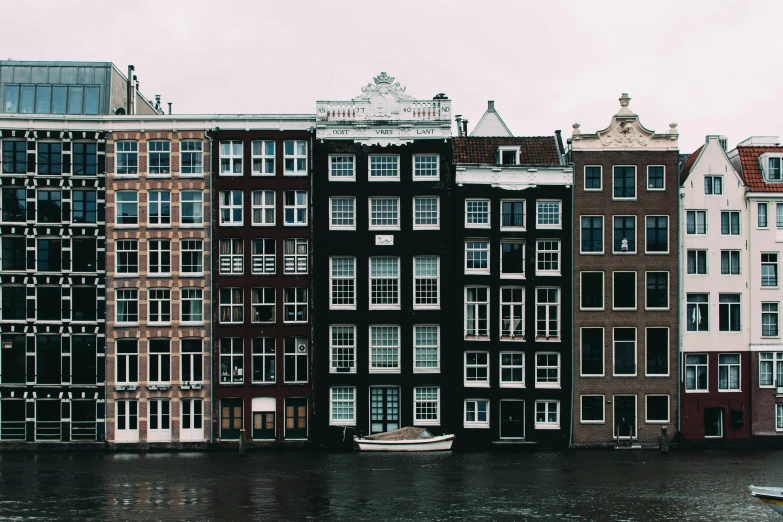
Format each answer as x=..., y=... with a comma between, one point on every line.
x=584, y=485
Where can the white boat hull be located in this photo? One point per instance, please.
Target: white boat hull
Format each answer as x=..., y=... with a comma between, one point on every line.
x=773, y=497
x=441, y=443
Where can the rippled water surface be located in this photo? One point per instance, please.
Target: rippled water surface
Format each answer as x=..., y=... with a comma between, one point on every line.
x=579, y=485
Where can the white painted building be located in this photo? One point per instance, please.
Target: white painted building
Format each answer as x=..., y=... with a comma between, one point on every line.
x=715, y=298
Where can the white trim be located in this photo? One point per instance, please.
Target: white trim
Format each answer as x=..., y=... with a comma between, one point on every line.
x=333, y=306
x=548, y=384
x=484, y=383
x=352, y=401
x=488, y=224
x=436, y=226
x=524, y=215
x=556, y=226
x=398, y=348
x=476, y=423
x=372, y=178
x=429, y=422
x=435, y=306
x=557, y=252
x=371, y=216
x=370, y=279
x=231, y=157
x=332, y=226
x=295, y=157
x=425, y=178
x=546, y=425
x=509, y=275
x=487, y=250
x=511, y=384
x=520, y=319
x=352, y=177
x=418, y=369
x=332, y=368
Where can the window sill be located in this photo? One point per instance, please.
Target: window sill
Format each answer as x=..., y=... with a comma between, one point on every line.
x=476, y=272
x=381, y=307
x=295, y=224
x=426, y=178
x=473, y=225
x=657, y=309
x=472, y=384
x=126, y=325
x=382, y=179
x=384, y=370
x=476, y=426
x=601, y=253
x=191, y=323
x=513, y=229
x=623, y=309
x=548, y=339
x=657, y=421
x=548, y=274
x=263, y=322
x=549, y=227
x=222, y=383
x=191, y=225
x=426, y=370
x=657, y=376
x=593, y=190
x=238, y=323
x=419, y=227
x=190, y=274
x=729, y=391
x=592, y=309
x=255, y=174
x=339, y=178
x=512, y=338
x=546, y=427
x=656, y=253
x=512, y=276
x=233, y=224
x=512, y=385
x=255, y=383
x=333, y=307
x=158, y=275
x=349, y=371
x=629, y=253
x=126, y=227
x=435, y=422
x=126, y=176
x=383, y=229
x=295, y=322
x=592, y=376
x=232, y=175
x=294, y=175
x=697, y=391
x=151, y=323
x=158, y=176
x=341, y=424
x=592, y=422
x=477, y=338
x=294, y=383
x=625, y=375
x=191, y=176
x=547, y=386
x=294, y=274
x=158, y=226
x=260, y=225
x=336, y=228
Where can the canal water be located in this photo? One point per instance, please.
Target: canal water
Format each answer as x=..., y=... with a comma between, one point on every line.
x=572, y=486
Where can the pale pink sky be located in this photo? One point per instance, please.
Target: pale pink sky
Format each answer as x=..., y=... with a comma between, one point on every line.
x=714, y=67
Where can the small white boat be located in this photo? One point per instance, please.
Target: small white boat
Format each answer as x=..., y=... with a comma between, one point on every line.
x=773, y=497
x=404, y=439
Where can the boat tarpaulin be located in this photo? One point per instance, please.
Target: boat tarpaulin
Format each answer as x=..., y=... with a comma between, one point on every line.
x=408, y=433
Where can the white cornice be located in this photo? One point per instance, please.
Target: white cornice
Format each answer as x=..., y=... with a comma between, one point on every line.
x=519, y=178
x=176, y=122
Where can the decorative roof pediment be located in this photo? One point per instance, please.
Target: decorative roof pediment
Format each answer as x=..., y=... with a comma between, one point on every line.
x=384, y=114
x=625, y=132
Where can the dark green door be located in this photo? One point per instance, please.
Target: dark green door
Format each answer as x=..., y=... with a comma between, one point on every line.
x=263, y=425
x=512, y=423
x=625, y=415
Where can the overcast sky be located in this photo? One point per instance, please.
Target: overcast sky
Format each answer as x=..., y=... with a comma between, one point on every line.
x=714, y=67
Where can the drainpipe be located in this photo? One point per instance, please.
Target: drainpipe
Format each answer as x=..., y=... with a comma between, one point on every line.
x=313, y=318
x=573, y=306
x=210, y=135
x=679, y=312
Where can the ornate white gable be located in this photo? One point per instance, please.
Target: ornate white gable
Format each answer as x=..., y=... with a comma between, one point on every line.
x=625, y=133
x=384, y=114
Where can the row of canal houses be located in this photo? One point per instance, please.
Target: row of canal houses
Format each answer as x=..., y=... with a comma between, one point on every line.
x=181, y=281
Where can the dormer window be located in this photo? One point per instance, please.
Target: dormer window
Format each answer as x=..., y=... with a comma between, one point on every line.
x=508, y=156
x=773, y=172
x=771, y=166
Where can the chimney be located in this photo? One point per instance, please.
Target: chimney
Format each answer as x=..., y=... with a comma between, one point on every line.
x=458, y=117
x=157, y=102
x=169, y=107
x=491, y=106
x=465, y=127
x=135, y=92
x=128, y=91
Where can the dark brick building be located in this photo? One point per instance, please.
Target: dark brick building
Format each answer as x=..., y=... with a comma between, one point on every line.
x=625, y=282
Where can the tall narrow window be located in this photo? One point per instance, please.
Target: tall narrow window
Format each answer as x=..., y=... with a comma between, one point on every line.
x=547, y=370
x=426, y=282
x=14, y=157
x=159, y=157
x=264, y=256
x=295, y=368
x=624, y=182
x=730, y=223
x=592, y=351
x=295, y=207
x=657, y=295
x=426, y=348
x=159, y=305
x=127, y=305
x=657, y=229
x=592, y=234
x=84, y=206
x=295, y=305
x=159, y=207
x=624, y=234
x=625, y=351
x=548, y=313
x=477, y=256
x=191, y=256
x=342, y=283
x=697, y=262
x=295, y=157
x=512, y=258
x=159, y=256
x=342, y=348
x=192, y=207
x=127, y=209
x=127, y=256
x=264, y=360
x=476, y=312
x=231, y=207
x=729, y=371
x=126, y=155
x=729, y=313
x=697, y=313
x=384, y=282
x=127, y=361
x=476, y=369
x=592, y=291
x=295, y=256
x=230, y=158
x=191, y=157
x=159, y=361
x=50, y=206
x=512, y=313
x=657, y=351
x=696, y=372
x=696, y=222
x=232, y=360
x=548, y=257
x=263, y=207
x=769, y=269
x=624, y=291
x=512, y=214
x=262, y=303
x=769, y=319
x=342, y=213
x=231, y=305
x=762, y=215
x=592, y=177
x=192, y=305
x=655, y=177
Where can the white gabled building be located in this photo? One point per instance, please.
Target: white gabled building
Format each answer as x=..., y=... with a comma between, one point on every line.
x=715, y=316
x=759, y=160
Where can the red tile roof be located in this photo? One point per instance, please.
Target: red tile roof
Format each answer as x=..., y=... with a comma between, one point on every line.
x=533, y=150
x=751, y=169
x=686, y=169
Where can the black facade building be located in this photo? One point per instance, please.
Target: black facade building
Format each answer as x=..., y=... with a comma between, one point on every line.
x=52, y=318
x=383, y=302
x=511, y=357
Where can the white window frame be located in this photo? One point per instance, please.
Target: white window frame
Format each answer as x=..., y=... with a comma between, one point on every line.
x=635, y=351
x=161, y=417
x=482, y=201
x=391, y=348
x=337, y=279
x=231, y=305
x=426, y=403
x=546, y=424
x=476, y=423
x=231, y=207
x=478, y=335
x=557, y=335
x=636, y=236
x=696, y=254
x=522, y=227
x=127, y=379
x=436, y=225
x=778, y=417
x=668, y=351
x=603, y=352
x=601, y=178
x=260, y=293
x=349, y=398
x=184, y=151
x=299, y=260
x=775, y=264
x=582, y=286
x=117, y=223
x=126, y=149
x=374, y=214
x=128, y=434
x=196, y=360
x=512, y=275
x=156, y=379
x=668, y=239
x=696, y=214
x=477, y=367
x=343, y=215
x=710, y=180
x=337, y=158
x=394, y=177
x=556, y=253
x=162, y=243
x=346, y=346
x=765, y=206
x=196, y=204
x=511, y=304
x=540, y=214
x=668, y=291
x=163, y=152
x=635, y=290
x=511, y=383
x=728, y=367
x=635, y=184
x=767, y=309
x=194, y=295
x=662, y=189
x=582, y=408
x=296, y=207
x=267, y=356
x=232, y=157
x=393, y=280
x=416, y=169
x=472, y=249
x=263, y=207
x=546, y=383
x=668, y=409
x=295, y=158
x=235, y=262
x=603, y=236
x=296, y=304
x=263, y=258
x=417, y=279
x=420, y=346
x=263, y=158
x=132, y=296
x=160, y=221
x=508, y=148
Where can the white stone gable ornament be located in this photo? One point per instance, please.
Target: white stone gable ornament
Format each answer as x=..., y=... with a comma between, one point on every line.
x=384, y=96
x=625, y=129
